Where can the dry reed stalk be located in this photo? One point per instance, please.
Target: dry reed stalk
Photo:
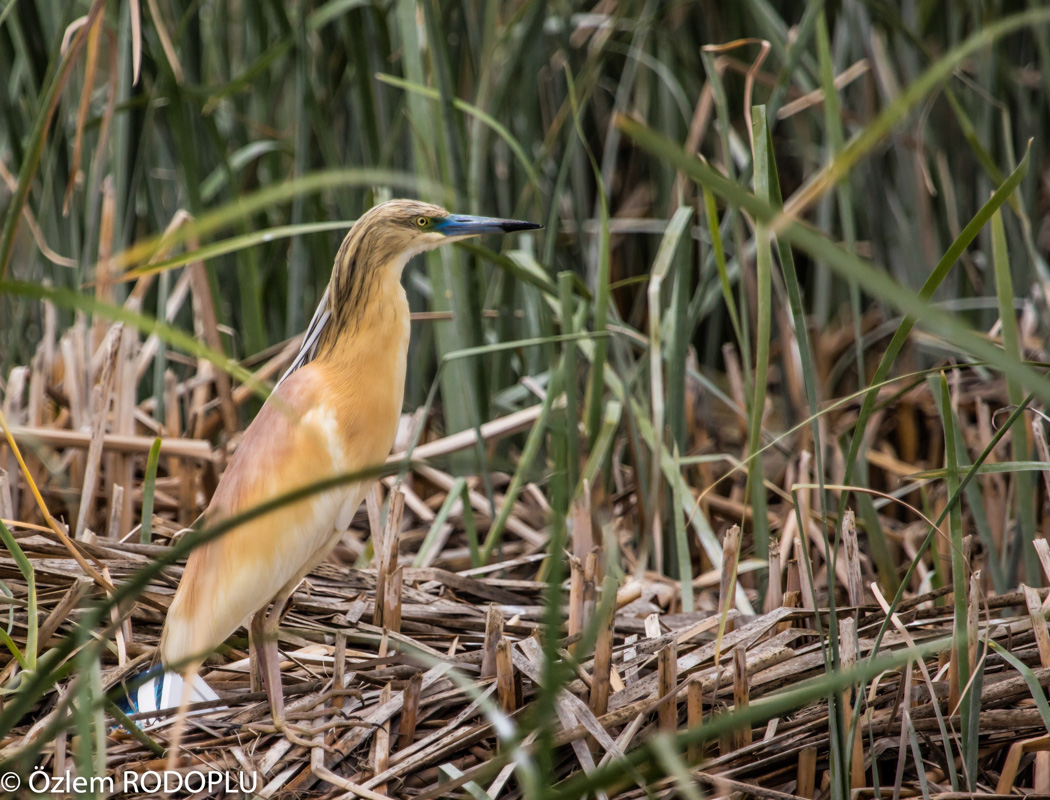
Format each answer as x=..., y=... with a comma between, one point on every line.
x=207, y=328
x=807, y=591
x=790, y=601
x=339, y=668
x=7, y=504
x=505, y=677
x=774, y=588
x=176, y=299
x=727, y=586
x=13, y=412
x=851, y=546
x=581, y=585
x=1008, y=775
x=576, y=602
x=592, y=576
x=374, y=507
x=104, y=270
x=806, y=776
x=482, y=505
x=493, y=634
x=410, y=712
x=1042, y=549
x=121, y=467
x=569, y=709
x=848, y=652
x=667, y=668
x=741, y=695
x=602, y=671
x=100, y=412
x=381, y=742
x=1039, y=627
x=115, y=506
x=630, y=653
x=694, y=719
x=464, y=440
x=75, y=383
x=76, y=175
x=735, y=377
x=445, y=612
x=190, y=449
x=388, y=579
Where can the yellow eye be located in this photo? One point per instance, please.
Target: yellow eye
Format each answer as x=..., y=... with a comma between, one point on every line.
x=422, y=222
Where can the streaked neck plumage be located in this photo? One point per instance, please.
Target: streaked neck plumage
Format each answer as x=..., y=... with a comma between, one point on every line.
x=365, y=288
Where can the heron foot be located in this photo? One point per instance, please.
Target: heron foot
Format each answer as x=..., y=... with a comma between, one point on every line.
x=298, y=734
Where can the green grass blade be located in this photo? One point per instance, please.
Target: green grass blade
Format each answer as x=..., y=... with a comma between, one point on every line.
x=25, y=566
x=685, y=562
x=149, y=487
x=470, y=528
x=659, y=398
x=1024, y=494
x=9, y=643
x=1036, y=689
x=454, y=493
x=567, y=306
x=236, y=244
x=720, y=263
x=602, y=445
x=528, y=455
x=763, y=331
x=960, y=576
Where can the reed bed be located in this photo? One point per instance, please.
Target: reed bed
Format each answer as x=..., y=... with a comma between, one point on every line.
x=423, y=675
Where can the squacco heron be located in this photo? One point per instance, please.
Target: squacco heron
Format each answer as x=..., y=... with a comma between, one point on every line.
x=335, y=411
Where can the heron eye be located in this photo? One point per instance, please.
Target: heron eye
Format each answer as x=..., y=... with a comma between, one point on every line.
x=422, y=222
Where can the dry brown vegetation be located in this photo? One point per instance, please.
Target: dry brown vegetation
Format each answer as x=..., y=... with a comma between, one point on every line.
x=369, y=652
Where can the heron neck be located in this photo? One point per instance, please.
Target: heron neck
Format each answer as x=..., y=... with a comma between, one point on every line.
x=363, y=298
x=365, y=367
x=375, y=322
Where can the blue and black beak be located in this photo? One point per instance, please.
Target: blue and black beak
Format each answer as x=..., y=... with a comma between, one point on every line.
x=465, y=225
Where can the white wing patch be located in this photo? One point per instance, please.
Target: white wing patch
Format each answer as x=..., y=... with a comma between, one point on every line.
x=325, y=421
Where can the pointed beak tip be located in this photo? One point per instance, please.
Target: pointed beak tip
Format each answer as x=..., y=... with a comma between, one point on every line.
x=512, y=225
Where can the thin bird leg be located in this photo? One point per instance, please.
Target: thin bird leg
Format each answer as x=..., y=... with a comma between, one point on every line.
x=256, y=669
x=269, y=653
x=189, y=676
x=270, y=664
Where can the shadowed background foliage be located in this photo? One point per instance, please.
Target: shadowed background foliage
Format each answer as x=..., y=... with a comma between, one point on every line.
x=478, y=99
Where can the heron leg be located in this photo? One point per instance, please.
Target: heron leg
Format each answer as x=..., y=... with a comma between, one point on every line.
x=256, y=668
x=270, y=664
x=270, y=658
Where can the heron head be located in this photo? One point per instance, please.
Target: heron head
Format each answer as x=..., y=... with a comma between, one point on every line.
x=409, y=226
x=381, y=242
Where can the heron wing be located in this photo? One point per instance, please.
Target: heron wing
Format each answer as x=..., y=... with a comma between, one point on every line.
x=308, y=349
x=292, y=443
